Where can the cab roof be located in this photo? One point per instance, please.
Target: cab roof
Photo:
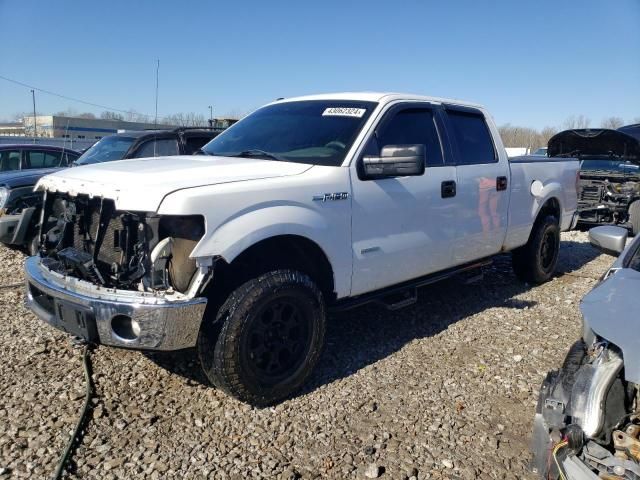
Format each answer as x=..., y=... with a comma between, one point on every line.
x=379, y=97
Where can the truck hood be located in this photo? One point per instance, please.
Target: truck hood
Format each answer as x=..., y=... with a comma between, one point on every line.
x=142, y=184
x=599, y=143
x=611, y=311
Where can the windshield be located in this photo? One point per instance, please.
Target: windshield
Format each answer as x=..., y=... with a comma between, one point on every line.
x=615, y=165
x=541, y=151
x=107, y=149
x=319, y=132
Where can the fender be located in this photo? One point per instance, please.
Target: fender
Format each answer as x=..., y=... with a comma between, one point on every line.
x=240, y=232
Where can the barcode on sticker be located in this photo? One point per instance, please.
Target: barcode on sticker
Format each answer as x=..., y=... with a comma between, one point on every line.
x=344, y=112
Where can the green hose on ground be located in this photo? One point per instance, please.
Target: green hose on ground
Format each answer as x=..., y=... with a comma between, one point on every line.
x=77, y=431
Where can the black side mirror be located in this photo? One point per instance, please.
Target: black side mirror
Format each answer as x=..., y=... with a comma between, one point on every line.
x=395, y=161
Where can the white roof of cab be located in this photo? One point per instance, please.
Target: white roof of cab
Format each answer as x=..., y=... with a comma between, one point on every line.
x=380, y=97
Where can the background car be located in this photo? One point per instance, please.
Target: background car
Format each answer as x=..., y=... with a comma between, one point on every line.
x=587, y=424
x=147, y=143
x=34, y=156
x=21, y=166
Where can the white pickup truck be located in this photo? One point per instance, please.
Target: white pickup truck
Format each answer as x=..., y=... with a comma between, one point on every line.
x=308, y=203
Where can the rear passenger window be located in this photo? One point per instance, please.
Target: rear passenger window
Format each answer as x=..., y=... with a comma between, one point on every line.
x=472, y=137
x=39, y=159
x=413, y=126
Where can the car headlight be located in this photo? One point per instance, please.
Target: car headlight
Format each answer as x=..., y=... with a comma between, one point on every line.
x=4, y=195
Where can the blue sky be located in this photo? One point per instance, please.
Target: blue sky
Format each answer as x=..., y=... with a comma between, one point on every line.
x=532, y=63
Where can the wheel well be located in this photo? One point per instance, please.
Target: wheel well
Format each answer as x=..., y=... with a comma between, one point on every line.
x=550, y=207
x=281, y=252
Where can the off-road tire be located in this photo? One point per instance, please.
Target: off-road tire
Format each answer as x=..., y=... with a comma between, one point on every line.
x=634, y=217
x=227, y=343
x=536, y=261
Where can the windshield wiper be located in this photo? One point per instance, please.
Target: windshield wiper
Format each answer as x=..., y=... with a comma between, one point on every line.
x=255, y=152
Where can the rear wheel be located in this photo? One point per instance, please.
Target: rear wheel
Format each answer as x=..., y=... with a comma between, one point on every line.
x=266, y=338
x=536, y=261
x=634, y=217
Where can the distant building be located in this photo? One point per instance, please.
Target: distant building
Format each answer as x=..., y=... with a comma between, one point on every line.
x=75, y=128
x=12, y=129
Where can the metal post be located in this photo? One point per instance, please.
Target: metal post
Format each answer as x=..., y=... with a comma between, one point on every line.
x=155, y=122
x=35, y=121
x=211, y=116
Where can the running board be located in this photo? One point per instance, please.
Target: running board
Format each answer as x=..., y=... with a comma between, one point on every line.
x=399, y=300
x=407, y=291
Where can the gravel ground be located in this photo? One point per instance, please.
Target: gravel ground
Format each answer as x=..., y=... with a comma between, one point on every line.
x=443, y=389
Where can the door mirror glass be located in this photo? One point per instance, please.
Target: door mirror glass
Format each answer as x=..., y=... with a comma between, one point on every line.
x=609, y=239
x=395, y=161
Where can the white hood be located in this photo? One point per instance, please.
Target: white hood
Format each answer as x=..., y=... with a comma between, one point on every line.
x=142, y=184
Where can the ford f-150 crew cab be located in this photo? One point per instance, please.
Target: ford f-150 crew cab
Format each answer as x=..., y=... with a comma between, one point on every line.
x=305, y=204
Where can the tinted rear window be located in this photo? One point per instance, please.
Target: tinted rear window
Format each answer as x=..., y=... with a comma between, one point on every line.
x=471, y=134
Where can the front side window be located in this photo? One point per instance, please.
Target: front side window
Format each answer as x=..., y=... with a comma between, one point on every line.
x=195, y=143
x=472, y=137
x=317, y=132
x=42, y=159
x=410, y=127
x=106, y=150
x=9, y=160
x=163, y=147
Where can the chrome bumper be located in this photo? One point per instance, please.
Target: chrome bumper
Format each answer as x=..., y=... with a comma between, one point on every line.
x=164, y=322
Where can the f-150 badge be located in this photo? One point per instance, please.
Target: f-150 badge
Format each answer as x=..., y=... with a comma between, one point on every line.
x=331, y=196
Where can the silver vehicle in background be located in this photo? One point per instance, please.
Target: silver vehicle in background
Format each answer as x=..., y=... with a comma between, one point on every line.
x=587, y=422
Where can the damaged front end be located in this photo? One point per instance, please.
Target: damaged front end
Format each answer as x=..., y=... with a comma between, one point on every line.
x=604, y=198
x=118, y=277
x=583, y=427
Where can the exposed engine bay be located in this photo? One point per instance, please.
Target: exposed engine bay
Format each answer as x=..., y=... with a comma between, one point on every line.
x=604, y=197
x=89, y=239
x=587, y=422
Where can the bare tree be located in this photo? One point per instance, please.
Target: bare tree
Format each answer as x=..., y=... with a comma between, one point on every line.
x=576, y=121
x=612, y=122
x=183, y=119
x=546, y=133
x=108, y=115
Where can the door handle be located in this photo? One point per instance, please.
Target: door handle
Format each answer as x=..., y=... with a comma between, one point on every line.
x=501, y=183
x=448, y=189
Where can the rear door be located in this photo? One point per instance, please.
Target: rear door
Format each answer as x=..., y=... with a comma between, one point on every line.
x=482, y=192
x=401, y=226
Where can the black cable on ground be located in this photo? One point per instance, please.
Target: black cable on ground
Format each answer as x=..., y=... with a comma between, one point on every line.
x=77, y=435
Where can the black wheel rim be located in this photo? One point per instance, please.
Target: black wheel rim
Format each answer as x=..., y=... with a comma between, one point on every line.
x=277, y=340
x=547, y=250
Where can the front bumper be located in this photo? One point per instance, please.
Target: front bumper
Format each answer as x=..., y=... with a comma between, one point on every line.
x=165, y=322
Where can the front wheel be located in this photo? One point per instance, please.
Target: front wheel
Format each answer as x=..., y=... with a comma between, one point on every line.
x=634, y=217
x=536, y=261
x=266, y=338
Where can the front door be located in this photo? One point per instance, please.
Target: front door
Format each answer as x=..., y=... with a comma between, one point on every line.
x=401, y=226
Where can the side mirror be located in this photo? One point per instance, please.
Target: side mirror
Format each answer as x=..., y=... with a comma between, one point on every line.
x=609, y=239
x=396, y=161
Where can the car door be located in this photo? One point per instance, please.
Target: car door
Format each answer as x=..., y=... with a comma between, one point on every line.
x=482, y=195
x=401, y=226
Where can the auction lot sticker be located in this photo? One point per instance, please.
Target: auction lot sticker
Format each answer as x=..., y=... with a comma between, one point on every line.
x=344, y=112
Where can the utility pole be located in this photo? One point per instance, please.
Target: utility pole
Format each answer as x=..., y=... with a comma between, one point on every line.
x=35, y=122
x=155, y=122
x=211, y=116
